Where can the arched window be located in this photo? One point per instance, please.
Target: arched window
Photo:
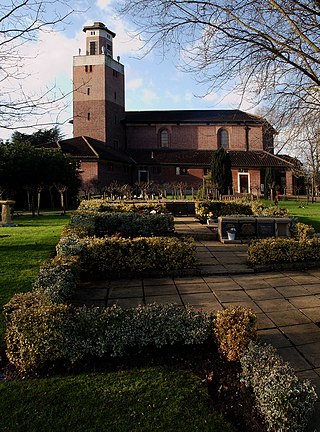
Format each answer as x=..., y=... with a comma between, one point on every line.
x=223, y=138
x=164, y=138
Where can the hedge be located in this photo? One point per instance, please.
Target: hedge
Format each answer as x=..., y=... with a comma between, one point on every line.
x=102, y=205
x=284, y=401
x=44, y=332
x=234, y=329
x=112, y=255
x=214, y=209
x=283, y=250
x=125, y=224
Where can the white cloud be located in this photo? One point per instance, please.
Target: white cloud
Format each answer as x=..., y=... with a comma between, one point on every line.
x=104, y=4
x=134, y=84
x=149, y=97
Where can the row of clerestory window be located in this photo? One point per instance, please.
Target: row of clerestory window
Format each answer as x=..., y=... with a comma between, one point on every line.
x=223, y=138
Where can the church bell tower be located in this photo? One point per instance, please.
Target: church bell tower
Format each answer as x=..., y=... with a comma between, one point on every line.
x=98, y=89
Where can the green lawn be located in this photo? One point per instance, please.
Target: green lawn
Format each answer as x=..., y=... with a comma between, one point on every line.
x=308, y=213
x=22, y=249
x=155, y=399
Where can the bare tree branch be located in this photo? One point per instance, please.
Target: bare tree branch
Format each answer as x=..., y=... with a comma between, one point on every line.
x=21, y=22
x=268, y=50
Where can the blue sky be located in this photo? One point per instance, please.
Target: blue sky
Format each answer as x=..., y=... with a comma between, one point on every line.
x=152, y=83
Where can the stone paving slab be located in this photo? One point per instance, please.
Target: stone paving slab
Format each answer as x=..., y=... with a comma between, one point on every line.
x=281, y=281
x=312, y=288
x=264, y=322
x=263, y=294
x=274, y=337
x=305, y=302
x=231, y=296
x=274, y=305
x=302, y=333
x=296, y=360
x=311, y=352
x=126, y=283
x=226, y=285
x=164, y=299
x=193, y=288
x=293, y=291
x=217, y=279
x=125, y=292
x=248, y=304
x=312, y=313
x=156, y=290
x=288, y=317
x=158, y=281
x=200, y=299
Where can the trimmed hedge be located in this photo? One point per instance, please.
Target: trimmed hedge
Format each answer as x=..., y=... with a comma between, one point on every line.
x=43, y=332
x=124, y=224
x=214, y=209
x=283, y=250
x=115, y=254
x=107, y=206
x=234, y=328
x=284, y=401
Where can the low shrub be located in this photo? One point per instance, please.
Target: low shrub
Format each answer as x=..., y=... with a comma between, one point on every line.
x=58, y=278
x=102, y=205
x=214, y=209
x=234, y=328
x=46, y=332
x=36, y=332
x=72, y=245
x=284, y=401
x=260, y=209
x=283, y=250
x=304, y=231
x=126, y=224
x=112, y=255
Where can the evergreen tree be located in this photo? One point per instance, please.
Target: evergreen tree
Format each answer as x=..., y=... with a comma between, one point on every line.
x=269, y=183
x=221, y=175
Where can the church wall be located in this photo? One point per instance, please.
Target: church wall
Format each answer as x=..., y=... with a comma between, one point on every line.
x=202, y=137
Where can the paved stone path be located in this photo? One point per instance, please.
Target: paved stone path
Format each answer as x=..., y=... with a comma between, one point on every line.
x=287, y=304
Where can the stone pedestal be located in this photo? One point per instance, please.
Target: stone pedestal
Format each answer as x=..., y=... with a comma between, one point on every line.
x=6, y=219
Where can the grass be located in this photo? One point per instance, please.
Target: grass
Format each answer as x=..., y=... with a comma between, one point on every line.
x=308, y=213
x=153, y=399
x=22, y=249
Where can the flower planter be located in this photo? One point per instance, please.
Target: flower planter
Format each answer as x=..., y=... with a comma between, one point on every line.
x=231, y=235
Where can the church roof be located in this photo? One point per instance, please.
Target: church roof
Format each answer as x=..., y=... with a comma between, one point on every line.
x=83, y=147
x=192, y=116
x=239, y=159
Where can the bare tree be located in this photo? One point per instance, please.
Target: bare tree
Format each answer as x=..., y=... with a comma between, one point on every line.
x=21, y=22
x=269, y=49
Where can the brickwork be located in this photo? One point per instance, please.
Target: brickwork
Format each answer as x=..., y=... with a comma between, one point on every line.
x=201, y=137
x=98, y=103
x=88, y=171
x=289, y=183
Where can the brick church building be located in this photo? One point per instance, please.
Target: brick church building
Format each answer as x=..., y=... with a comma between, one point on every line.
x=111, y=143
